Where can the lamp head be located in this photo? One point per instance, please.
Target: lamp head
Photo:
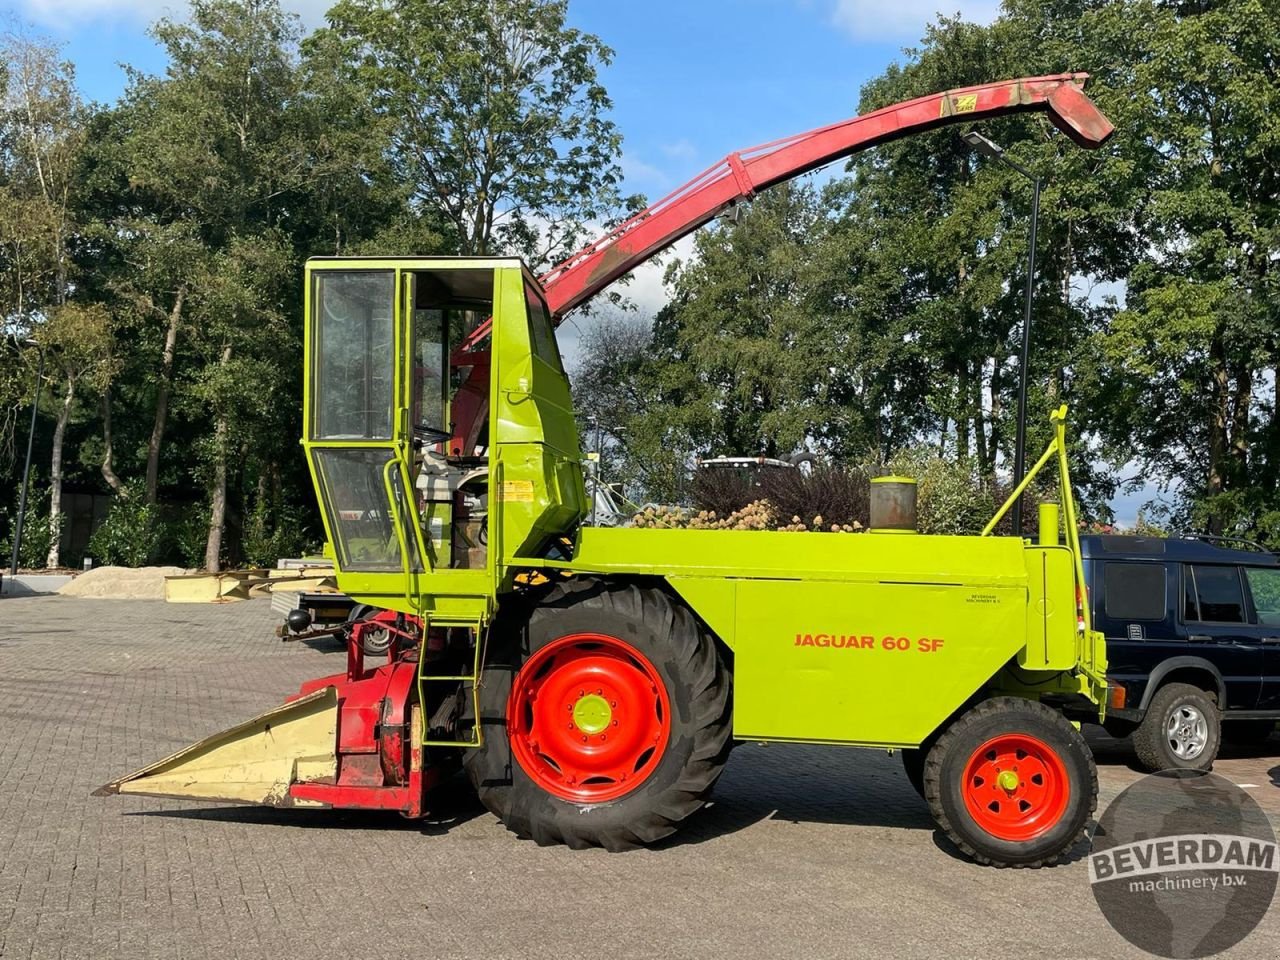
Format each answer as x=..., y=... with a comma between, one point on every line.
x=984, y=146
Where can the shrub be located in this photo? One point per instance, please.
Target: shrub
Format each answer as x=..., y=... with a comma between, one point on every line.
x=131, y=533
x=950, y=498
x=37, y=535
x=722, y=490
x=267, y=539
x=187, y=533
x=834, y=495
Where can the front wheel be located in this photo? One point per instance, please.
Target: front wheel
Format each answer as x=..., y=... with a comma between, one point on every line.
x=1182, y=730
x=1012, y=783
x=605, y=715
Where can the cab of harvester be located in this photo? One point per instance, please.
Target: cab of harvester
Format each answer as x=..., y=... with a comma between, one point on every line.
x=412, y=514
x=592, y=681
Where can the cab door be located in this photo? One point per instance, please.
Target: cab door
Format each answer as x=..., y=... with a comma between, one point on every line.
x=357, y=432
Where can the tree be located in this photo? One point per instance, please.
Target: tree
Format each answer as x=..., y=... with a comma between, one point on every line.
x=41, y=135
x=622, y=400
x=77, y=339
x=751, y=356
x=1185, y=360
x=494, y=113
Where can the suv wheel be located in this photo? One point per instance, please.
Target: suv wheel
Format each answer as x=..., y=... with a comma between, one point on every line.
x=1182, y=730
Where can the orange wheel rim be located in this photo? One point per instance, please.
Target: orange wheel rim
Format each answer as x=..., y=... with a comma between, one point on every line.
x=1016, y=787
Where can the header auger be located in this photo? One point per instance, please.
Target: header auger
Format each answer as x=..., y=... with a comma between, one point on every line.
x=592, y=681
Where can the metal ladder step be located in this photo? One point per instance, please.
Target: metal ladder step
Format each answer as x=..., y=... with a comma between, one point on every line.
x=479, y=629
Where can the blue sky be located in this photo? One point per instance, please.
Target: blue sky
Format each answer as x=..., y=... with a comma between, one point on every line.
x=691, y=80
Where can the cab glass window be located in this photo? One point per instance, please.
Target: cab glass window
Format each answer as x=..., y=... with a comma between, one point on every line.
x=430, y=371
x=1133, y=591
x=544, y=341
x=354, y=375
x=1218, y=593
x=1264, y=584
x=354, y=495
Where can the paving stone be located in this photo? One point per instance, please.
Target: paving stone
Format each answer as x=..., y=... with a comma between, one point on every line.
x=807, y=851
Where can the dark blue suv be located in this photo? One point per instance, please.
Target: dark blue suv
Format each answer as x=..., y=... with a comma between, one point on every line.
x=1193, y=637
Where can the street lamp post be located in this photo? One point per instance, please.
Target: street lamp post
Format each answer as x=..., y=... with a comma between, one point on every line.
x=26, y=470
x=996, y=152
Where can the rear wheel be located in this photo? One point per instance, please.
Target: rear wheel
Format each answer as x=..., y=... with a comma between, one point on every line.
x=606, y=718
x=1012, y=783
x=1182, y=730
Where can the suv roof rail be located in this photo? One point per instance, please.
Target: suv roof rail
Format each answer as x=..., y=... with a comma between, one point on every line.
x=1225, y=541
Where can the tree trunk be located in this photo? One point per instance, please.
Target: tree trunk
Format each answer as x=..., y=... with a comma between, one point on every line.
x=218, y=495
x=163, y=389
x=962, y=411
x=108, y=467
x=1240, y=405
x=997, y=411
x=1218, y=415
x=986, y=462
x=55, y=474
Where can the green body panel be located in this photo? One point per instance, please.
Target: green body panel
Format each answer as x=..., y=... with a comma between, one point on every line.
x=856, y=638
x=866, y=639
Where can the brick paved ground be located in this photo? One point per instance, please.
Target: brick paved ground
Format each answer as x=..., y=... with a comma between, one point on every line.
x=807, y=852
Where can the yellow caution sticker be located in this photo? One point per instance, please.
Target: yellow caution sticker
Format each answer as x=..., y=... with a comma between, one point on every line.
x=517, y=491
x=965, y=103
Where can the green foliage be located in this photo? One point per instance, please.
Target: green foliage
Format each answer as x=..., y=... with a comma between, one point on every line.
x=187, y=533
x=950, y=496
x=154, y=245
x=268, y=538
x=492, y=111
x=131, y=534
x=38, y=534
x=885, y=311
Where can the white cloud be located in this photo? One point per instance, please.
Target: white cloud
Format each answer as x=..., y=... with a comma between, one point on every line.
x=643, y=176
x=904, y=19
x=64, y=15
x=680, y=150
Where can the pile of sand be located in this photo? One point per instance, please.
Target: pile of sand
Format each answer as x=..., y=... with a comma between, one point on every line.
x=121, y=583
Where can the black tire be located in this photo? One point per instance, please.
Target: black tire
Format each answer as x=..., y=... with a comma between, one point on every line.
x=1248, y=733
x=913, y=762
x=684, y=657
x=1158, y=750
x=945, y=774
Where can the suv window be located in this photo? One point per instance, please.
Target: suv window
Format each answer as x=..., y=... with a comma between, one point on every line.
x=1218, y=594
x=1133, y=591
x=1264, y=584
